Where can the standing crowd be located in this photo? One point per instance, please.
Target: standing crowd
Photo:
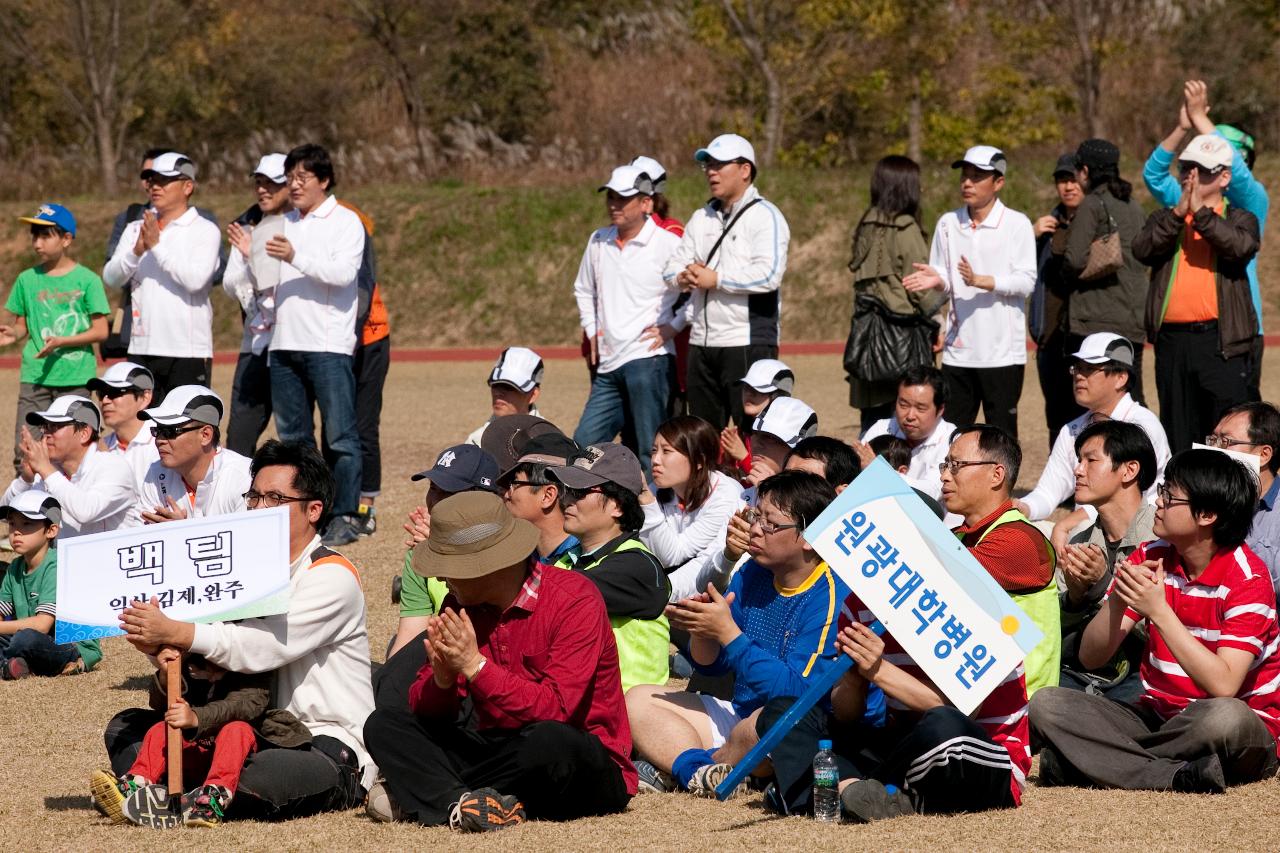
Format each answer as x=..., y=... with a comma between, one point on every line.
x=555, y=581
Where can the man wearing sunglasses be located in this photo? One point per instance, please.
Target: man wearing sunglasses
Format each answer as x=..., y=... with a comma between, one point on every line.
x=59, y=448
x=1101, y=378
x=730, y=262
x=194, y=476
x=601, y=504
x=123, y=390
x=169, y=259
x=1200, y=314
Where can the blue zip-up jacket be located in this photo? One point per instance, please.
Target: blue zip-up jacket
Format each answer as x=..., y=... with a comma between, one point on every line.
x=1244, y=192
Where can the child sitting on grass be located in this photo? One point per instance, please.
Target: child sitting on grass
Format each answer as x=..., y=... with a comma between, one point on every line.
x=222, y=716
x=29, y=592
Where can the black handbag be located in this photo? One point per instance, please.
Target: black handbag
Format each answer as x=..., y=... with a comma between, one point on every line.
x=882, y=343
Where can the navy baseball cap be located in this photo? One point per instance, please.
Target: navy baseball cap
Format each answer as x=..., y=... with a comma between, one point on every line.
x=462, y=468
x=52, y=214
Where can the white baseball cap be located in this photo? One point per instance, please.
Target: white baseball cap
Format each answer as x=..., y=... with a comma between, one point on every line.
x=985, y=157
x=171, y=164
x=726, y=148
x=35, y=504
x=1102, y=347
x=186, y=403
x=519, y=367
x=1208, y=150
x=788, y=420
x=124, y=374
x=627, y=181
x=271, y=167
x=653, y=170
x=769, y=375
x=69, y=408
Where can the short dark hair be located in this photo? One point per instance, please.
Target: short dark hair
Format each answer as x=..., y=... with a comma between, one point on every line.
x=1214, y=482
x=536, y=472
x=839, y=461
x=895, y=450
x=997, y=446
x=311, y=476
x=926, y=374
x=1264, y=428
x=1123, y=442
x=699, y=442
x=39, y=230
x=799, y=494
x=315, y=159
x=632, y=518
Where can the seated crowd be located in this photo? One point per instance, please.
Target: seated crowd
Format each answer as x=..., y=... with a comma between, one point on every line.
x=553, y=584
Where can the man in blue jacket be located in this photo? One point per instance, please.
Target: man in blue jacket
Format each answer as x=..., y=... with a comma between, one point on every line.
x=1244, y=191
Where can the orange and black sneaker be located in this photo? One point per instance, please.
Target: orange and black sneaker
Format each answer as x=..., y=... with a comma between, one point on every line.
x=484, y=809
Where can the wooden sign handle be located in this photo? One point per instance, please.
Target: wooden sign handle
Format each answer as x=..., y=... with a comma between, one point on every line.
x=173, y=690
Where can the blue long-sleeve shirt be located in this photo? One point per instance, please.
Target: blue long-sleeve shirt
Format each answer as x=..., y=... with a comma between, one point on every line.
x=1244, y=191
x=788, y=636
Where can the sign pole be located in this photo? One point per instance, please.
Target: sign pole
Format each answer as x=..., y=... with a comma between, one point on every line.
x=173, y=690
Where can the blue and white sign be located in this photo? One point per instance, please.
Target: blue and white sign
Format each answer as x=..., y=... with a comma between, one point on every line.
x=928, y=591
x=200, y=570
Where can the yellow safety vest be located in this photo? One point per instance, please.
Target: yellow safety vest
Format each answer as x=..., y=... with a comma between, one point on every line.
x=1044, y=664
x=643, y=644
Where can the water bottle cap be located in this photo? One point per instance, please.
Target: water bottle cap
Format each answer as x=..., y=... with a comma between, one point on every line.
x=824, y=744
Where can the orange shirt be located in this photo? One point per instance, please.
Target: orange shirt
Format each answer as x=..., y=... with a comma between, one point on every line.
x=1193, y=293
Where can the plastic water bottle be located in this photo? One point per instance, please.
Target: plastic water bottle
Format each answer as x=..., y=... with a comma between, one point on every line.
x=826, y=781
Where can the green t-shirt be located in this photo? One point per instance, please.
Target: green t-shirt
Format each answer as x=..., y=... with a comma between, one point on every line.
x=58, y=306
x=419, y=596
x=30, y=593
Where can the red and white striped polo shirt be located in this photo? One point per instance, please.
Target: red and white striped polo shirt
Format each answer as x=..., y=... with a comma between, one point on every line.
x=1231, y=605
x=1003, y=714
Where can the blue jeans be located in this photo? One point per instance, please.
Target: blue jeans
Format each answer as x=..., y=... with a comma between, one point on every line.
x=299, y=382
x=42, y=654
x=631, y=400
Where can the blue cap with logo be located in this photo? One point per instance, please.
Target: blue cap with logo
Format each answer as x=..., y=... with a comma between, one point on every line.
x=52, y=214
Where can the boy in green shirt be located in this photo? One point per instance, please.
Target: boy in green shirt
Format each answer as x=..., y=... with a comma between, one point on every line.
x=61, y=308
x=29, y=592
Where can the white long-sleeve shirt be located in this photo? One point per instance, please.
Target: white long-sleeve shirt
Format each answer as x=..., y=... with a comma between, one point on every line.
x=219, y=492
x=1058, y=480
x=620, y=292
x=317, y=295
x=986, y=328
x=319, y=650
x=745, y=306
x=710, y=566
x=239, y=283
x=100, y=496
x=676, y=536
x=140, y=453
x=171, y=311
x=923, y=472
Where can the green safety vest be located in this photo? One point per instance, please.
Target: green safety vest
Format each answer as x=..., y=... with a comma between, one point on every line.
x=1044, y=664
x=643, y=644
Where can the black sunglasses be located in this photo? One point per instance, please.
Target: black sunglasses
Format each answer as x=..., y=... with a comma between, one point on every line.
x=169, y=433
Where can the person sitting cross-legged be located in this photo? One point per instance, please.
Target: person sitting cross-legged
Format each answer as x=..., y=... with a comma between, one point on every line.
x=518, y=712
x=774, y=629
x=1210, y=712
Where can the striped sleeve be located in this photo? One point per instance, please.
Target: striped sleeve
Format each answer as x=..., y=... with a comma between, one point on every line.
x=6, y=609
x=1248, y=615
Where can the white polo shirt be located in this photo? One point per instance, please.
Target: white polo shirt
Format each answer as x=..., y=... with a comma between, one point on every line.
x=140, y=453
x=923, y=473
x=1058, y=480
x=316, y=297
x=171, y=311
x=621, y=292
x=100, y=496
x=986, y=328
x=220, y=492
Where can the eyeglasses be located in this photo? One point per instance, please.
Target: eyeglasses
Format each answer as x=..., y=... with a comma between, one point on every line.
x=1217, y=439
x=41, y=430
x=954, y=465
x=756, y=519
x=1165, y=495
x=717, y=165
x=158, y=180
x=299, y=179
x=165, y=432
x=1085, y=369
x=114, y=393
x=516, y=484
x=254, y=499
x=1186, y=168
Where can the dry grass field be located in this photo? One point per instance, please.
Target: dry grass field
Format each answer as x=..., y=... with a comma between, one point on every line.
x=51, y=736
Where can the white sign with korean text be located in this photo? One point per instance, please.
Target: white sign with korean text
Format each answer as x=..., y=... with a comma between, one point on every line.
x=923, y=585
x=200, y=570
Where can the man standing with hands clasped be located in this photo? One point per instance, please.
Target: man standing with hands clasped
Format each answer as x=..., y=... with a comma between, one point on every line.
x=731, y=260
x=984, y=256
